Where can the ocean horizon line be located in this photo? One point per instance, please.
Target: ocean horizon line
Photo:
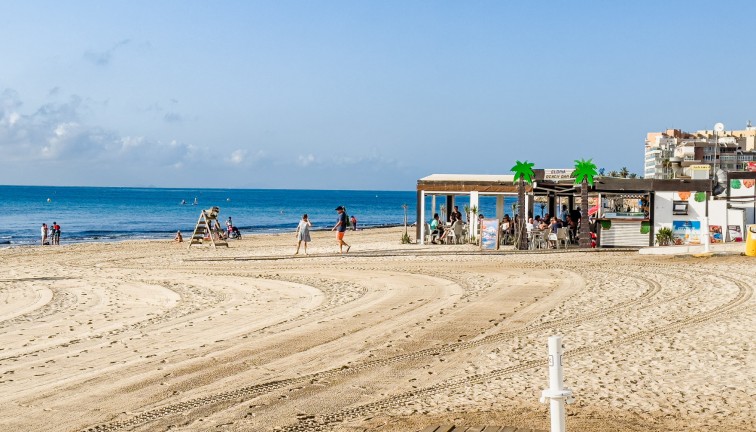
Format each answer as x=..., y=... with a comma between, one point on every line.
x=210, y=189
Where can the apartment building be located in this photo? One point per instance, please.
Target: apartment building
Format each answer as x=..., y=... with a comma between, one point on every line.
x=728, y=150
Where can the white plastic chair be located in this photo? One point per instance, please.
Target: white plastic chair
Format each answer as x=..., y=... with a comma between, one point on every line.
x=563, y=236
x=458, y=231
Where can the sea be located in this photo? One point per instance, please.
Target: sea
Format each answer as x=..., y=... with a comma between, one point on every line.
x=97, y=214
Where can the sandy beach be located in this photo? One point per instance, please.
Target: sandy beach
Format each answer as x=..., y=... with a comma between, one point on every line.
x=150, y=336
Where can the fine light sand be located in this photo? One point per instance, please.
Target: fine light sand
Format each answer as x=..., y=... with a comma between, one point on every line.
x=150, y=336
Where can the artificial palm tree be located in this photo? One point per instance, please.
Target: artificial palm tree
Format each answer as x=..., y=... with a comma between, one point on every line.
x=585, y=171
x=523, y=173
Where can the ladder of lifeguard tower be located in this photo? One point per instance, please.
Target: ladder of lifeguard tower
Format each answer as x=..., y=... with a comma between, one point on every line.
x=202, y=232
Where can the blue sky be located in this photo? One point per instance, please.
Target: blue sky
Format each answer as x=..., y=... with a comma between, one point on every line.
x=356, y=94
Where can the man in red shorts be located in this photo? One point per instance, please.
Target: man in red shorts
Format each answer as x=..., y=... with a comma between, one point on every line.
x=340, y=228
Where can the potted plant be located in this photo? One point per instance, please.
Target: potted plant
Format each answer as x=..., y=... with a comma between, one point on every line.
x=664, y=237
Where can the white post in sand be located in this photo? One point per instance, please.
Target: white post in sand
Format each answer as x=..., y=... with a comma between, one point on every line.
x=705, y=233
x=557, y=394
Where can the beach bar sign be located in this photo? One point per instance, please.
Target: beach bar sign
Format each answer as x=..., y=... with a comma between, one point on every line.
x=489, y=234
x=557, y=174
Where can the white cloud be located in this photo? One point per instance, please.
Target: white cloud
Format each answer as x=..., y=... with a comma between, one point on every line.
x=55, y=133
x=172, y=117
x=237, y=157
x=306, y=160
x=103, y=58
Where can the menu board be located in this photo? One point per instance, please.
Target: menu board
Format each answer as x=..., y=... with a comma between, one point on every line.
x=715, y=234
x=489, y=234
x=686, y=232
x=735, y=234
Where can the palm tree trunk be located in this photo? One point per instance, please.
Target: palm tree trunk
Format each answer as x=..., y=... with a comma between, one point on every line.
x=520, y=227
x=585, y=229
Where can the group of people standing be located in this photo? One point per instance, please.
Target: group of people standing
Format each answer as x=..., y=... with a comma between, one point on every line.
x=50, y=235
x=342, y=222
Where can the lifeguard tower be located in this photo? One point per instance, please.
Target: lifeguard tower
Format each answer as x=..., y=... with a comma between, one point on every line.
x=208, y=229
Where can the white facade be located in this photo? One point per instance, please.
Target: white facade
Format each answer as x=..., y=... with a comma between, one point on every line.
x=657, y=152
x=739, y=210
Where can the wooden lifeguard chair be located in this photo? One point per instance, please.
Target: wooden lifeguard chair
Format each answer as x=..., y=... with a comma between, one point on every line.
x=208, y=229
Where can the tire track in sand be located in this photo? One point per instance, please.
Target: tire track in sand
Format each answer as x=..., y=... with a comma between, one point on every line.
x=248, y=392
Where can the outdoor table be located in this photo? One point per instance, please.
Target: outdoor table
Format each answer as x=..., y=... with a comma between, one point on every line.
x=537, y=237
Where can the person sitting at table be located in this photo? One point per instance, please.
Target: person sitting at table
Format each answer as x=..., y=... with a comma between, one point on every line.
x=529, y=226
x=437, y=228
x=506, y=225
x=553, y=229
x=450, y=229
x=543, y=224
x=573, y=226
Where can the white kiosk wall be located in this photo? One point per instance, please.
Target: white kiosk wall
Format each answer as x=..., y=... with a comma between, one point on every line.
x=663, y=211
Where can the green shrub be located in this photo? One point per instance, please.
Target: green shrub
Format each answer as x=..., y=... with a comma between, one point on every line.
x=664, y=237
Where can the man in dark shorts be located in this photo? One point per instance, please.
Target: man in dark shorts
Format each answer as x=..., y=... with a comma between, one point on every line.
x=340, y=228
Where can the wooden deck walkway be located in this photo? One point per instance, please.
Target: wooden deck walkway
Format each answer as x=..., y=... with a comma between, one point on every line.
x=452, y=428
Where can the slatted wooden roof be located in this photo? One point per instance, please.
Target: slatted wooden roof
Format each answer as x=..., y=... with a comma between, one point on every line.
x=463, y=183
x=468, y=183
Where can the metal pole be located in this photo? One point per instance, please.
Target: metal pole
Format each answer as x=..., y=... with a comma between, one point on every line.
x=557, y=394
x=716, y=151
x=705, y=233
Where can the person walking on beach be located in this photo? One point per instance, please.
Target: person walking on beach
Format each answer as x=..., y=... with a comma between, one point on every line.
x=354, y=223
x=303, y=233
x=44, y=231
x=340, y=228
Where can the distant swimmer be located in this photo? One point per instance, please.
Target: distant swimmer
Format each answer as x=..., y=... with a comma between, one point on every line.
x=195, y=201
x=183, y=202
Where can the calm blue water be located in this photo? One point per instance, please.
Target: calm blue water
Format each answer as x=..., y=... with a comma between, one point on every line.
x=109, y=214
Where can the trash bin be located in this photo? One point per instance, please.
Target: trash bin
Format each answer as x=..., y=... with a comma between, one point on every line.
x=751, y=240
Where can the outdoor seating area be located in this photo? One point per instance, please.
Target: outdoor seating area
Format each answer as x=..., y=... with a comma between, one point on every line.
x=448, y=233
x=545, y=239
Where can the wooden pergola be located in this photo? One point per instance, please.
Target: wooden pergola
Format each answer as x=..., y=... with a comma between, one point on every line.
x=451, y=185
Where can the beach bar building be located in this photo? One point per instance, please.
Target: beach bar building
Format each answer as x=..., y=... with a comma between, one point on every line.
x=627, y=212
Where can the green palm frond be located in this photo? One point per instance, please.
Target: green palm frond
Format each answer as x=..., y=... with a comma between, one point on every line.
x=585, y=170
x=523, y=170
